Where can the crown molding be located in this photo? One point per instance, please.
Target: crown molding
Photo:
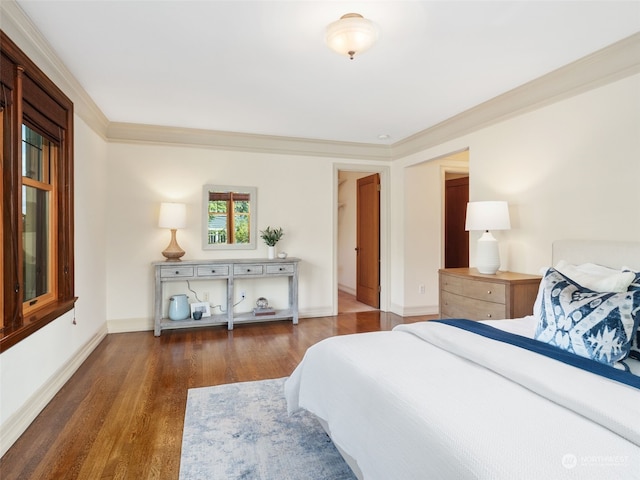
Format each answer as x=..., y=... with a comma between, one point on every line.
x=15, y=23
x=615, y=62
x=612, y=63
x=137, y=133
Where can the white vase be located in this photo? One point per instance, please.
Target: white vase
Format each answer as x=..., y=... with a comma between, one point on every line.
x=272, y=252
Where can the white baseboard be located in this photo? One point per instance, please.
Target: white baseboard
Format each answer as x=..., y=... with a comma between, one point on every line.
x=316, y=312
x=424, y=310
x=17, y=423
x=349, y=290
x=414, y=311
x=129, y=325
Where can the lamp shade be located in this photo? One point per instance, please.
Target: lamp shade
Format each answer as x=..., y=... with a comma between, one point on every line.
x=351, y=34
x=492, y=215
x=172, y=215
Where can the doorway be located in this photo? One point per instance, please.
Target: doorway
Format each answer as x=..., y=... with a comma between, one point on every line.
x=358, y=241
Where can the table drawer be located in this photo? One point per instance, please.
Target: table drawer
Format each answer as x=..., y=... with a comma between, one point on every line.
x=457, y=306
x=248, y=269
x=280, y=268
x=213, y=270
x=176, y=272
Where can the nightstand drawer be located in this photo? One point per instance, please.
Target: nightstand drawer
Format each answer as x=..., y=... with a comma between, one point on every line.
x=458, y=306
x=451, y=283
x=487, y=291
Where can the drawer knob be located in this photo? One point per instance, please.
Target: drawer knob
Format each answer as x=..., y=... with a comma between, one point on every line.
x=281, y=269
x=488, y=292
x=213, y=271
x=177, y=272
x=488, y=315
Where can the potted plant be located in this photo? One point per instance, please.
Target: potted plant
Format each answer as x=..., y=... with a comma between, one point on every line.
x=271, y=237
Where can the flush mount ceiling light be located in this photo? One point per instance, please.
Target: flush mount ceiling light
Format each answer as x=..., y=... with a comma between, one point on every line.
x=351, y=34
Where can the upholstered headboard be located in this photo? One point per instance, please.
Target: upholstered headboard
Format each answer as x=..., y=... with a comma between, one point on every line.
x=610, y=254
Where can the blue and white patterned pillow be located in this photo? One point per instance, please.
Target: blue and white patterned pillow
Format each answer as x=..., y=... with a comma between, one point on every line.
x=599, y=326
x=635, y=283
x=635, y=343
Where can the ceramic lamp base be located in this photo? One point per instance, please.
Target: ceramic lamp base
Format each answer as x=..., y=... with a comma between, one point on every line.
x=488, y=255
x=173, y=252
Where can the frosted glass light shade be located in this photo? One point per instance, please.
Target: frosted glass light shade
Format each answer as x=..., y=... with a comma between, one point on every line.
x=351, y=34
x=490, y=215
x=172, y=215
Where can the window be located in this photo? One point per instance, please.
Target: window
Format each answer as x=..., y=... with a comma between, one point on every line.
x=37, y=197
x=229, y=217
x=38, y=221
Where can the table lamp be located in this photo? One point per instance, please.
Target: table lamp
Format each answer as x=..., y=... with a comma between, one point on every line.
x=492, y=215
x=173, y=216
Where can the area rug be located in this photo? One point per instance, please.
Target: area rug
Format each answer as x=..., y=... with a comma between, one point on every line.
x=243, y=431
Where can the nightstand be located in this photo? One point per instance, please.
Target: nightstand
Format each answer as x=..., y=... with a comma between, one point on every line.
x=465, y=293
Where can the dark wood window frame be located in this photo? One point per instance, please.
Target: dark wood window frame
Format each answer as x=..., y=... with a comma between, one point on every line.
x=28, y=96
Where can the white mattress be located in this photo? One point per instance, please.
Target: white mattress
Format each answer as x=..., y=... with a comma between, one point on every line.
x=405, y=408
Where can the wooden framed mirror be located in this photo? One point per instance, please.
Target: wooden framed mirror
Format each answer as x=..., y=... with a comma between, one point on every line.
x=229, y=217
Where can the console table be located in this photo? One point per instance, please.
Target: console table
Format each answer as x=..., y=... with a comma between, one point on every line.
x=228, y=270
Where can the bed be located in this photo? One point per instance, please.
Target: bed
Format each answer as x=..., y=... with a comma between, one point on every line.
x=461, y=400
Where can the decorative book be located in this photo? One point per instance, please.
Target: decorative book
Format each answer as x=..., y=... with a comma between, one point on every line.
x=263, y=311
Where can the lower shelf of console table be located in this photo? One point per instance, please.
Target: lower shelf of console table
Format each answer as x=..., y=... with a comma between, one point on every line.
x=228, y=270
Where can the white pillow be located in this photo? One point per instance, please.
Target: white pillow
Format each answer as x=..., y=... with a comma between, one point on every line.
x=596, y=277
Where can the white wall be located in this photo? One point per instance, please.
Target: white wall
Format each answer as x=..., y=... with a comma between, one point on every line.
x=568, y=170
x=423, y=213
x=33, y=370
x=293, y=193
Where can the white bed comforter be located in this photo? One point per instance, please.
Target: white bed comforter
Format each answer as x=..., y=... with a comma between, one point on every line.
x=428, y=401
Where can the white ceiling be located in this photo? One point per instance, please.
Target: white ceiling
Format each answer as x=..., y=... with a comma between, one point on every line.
x=262, y=67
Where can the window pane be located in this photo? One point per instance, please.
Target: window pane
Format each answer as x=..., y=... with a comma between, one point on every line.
x=241, y=206
x=217, y=228
x=242, y=227
x=34, y=163
x=35, y=241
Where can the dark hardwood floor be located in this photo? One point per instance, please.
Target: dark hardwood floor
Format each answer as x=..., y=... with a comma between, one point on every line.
x=121, y=414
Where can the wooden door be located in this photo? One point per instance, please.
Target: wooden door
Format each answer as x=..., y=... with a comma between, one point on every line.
x=368, y=241
x=456, y=239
